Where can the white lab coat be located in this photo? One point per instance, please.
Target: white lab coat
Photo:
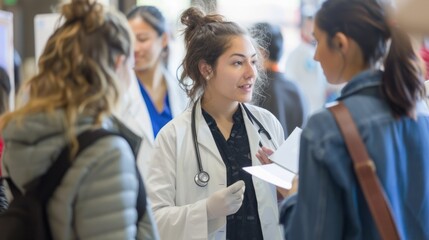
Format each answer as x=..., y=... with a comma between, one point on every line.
x=135, y=115
x=132, y=111
x=179, y=205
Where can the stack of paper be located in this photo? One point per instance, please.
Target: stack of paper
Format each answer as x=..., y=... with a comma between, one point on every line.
x=285, y=163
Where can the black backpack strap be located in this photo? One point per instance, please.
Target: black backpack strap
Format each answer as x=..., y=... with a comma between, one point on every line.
x=13, y=188
x=141, y=197
x=52, y=178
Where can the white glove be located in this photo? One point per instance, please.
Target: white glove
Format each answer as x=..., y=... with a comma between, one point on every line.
x=226, y=201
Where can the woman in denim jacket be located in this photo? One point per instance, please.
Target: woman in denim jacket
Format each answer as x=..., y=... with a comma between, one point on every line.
x=386, y=106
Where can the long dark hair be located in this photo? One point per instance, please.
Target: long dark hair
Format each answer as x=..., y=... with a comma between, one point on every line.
x=367, y=23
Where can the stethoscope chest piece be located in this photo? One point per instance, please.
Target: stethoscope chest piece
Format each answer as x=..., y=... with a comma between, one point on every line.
x=202, y=178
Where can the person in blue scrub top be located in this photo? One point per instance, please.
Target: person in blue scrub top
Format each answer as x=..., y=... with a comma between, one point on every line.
x=160, y=97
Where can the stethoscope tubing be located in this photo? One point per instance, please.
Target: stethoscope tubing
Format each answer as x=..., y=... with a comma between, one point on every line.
x=202, y=177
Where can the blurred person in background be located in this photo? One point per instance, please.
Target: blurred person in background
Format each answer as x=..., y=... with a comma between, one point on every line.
x=386, y=105
x=301, y=67
x=4, y=106
x=307, y=73
x=281, y=97
x=5, y=89
x=158, y=97
x=79, y=84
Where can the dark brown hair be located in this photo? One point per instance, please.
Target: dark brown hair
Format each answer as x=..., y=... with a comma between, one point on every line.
x=151, y=15
x=367, y=23
x=207, y=38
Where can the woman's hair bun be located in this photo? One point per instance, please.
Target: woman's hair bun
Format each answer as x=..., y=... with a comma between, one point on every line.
x=88, y=13
x=194, y=18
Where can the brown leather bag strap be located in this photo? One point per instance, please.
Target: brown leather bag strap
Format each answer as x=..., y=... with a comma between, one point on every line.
x=366, y=175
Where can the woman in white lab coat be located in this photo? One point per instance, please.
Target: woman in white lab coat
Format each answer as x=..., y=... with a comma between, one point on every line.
x=155, y=96
x=213, y=198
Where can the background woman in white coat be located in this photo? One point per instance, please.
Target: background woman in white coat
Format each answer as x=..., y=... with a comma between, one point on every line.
x=155, y=96
x=210, y=196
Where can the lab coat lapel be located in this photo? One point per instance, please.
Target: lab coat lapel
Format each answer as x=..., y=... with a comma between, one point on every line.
x=142, y=118
x=135, y=113
x=205, y=137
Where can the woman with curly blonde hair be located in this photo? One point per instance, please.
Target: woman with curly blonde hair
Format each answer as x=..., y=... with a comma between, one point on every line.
x=77, y=87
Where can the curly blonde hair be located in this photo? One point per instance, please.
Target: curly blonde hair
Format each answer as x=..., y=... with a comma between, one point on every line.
x=77, y=67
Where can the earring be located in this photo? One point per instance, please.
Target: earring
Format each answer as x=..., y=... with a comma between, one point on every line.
x=207, y=77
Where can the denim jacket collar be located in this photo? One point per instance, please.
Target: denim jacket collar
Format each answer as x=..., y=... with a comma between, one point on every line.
x=365, y=79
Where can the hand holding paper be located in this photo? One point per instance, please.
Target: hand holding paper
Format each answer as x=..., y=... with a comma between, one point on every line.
x=285, y=162
x=263, y=155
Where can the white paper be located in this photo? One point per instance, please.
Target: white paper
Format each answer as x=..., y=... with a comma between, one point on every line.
x=273, y=174
x=285, y=163
x=287, y=155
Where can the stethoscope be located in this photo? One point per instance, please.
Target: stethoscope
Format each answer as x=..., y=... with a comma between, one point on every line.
x=202, y=177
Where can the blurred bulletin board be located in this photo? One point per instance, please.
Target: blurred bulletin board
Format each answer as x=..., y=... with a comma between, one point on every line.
x=7, y=51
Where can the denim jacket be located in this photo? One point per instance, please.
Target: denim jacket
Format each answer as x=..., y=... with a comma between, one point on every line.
x=329, y=203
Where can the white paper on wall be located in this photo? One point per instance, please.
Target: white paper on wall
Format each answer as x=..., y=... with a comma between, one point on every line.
x=44, y=27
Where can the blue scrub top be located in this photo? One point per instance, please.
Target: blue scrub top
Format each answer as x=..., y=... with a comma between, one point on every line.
x=158, y=119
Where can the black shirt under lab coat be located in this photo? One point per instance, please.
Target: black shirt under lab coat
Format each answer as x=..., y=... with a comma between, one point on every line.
x=235, y=153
